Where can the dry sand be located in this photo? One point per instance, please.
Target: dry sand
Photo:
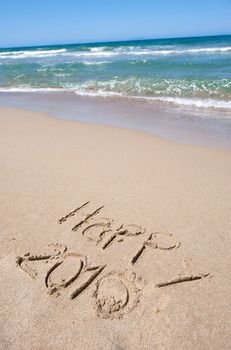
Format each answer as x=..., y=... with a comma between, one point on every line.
x=160, y=281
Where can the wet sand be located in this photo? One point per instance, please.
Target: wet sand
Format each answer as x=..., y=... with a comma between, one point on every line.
x=111, y=238
x=207, y=127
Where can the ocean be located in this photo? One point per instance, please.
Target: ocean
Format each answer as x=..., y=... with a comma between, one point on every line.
x=189, y=73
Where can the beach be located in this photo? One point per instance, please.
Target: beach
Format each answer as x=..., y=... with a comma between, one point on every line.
x=111, y=238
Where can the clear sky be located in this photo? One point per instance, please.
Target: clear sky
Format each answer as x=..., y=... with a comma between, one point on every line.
x=37, y=22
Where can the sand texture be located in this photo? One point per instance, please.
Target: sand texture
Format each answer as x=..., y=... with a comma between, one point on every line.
x=111, y=239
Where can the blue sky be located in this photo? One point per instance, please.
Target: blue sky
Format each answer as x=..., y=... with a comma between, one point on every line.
x=37, y=22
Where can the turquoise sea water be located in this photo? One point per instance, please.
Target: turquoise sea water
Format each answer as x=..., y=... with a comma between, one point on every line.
x=190, y=72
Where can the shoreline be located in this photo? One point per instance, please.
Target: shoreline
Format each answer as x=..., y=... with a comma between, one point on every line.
x=207, y=127
x=117, y=128
x=74, y=275
x=202, y=105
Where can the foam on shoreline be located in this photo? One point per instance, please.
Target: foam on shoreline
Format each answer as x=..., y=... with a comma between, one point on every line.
x=178, y=101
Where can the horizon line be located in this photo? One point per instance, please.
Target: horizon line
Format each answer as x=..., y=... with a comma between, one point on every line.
x=113, y=41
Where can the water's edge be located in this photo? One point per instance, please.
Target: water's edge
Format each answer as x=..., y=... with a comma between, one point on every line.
x=187, y=126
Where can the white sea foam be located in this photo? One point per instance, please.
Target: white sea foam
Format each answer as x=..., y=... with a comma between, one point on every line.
x=129, y=51
x=211, y=49
x=170, y=52
x=180, y=101
x=92, y=54
x=30, y=89
x=31, y=53
x=93, y=63
x=99, y=52
x=98, y=93
x=97, y=49
x=192, y=102
x=145, y=52
x=61, y=74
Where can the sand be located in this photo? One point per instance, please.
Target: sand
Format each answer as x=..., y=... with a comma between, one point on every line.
x=111, y=238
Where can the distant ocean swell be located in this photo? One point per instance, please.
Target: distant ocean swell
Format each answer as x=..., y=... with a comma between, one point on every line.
x=185, y=72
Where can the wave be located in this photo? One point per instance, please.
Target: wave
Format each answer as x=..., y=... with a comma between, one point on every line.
x=77, y=91
x=31, y=89
x=218, y=89
x=92, y=54
x=95, y=63
x=28, y=53
x=97, y=49
x=99, y=52
x=210, y=49
x=181, y=101
x=145, y=52
x=178, y=101
x=192, y=102
x=155, y=87
x=182, y=51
